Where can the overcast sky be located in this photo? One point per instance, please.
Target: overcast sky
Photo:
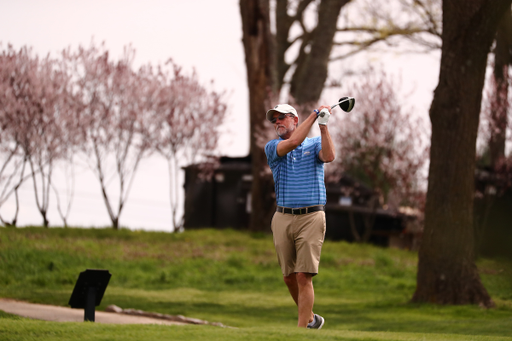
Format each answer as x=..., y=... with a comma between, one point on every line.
x=200, y=34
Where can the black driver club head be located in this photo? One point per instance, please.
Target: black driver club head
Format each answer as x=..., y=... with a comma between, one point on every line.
x=347, y=103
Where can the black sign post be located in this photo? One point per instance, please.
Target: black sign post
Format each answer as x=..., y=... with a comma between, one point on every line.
x=89, y=290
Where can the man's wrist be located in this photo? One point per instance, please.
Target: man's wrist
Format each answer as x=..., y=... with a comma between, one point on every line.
x=317, y=112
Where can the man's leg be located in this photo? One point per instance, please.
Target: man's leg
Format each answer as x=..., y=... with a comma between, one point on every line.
x=308, y=245
x=302, y=292
x=293, y=288
x=306, y=298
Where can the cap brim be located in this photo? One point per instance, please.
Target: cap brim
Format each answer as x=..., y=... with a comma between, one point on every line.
x=271, y=112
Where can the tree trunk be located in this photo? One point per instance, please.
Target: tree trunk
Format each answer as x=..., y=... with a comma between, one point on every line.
x=260, y=64
x=499, y=110
x=447, y=273
x=368, y=222
x=115, y=223
x=312, y=65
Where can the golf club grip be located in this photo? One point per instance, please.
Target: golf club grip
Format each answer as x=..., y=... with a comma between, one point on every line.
x=322, y=113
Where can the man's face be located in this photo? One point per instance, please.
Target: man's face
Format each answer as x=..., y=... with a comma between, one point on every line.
x=284, y=126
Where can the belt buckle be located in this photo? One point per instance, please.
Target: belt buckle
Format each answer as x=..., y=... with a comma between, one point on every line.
x=299, y=210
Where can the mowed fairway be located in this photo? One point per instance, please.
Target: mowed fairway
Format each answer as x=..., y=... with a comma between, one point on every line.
x=232, y=277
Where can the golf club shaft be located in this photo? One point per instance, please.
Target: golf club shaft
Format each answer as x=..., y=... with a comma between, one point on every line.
x=334, y=106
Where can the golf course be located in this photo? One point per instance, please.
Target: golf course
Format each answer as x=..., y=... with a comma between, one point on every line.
x=232, y=277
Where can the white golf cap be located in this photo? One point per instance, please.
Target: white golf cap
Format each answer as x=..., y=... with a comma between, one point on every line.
x=283, y=109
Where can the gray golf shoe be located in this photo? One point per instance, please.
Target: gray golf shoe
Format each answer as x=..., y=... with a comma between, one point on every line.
x=317, y=323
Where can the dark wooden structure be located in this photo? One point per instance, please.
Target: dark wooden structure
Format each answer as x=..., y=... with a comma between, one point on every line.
x=390, y=227
x=224, y=201
x=492, y=214
x=221, y=200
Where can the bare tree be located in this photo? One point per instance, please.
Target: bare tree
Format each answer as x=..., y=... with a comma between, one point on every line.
x=412, y=25
x=381, y=145
x=186, y=119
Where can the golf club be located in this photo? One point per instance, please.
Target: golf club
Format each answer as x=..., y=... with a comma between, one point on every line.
x=346, y=104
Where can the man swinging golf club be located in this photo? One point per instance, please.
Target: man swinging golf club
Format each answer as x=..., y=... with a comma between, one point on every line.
x=298, y=226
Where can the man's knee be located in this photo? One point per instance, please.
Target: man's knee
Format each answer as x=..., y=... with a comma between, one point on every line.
x=304, y=278
x=291, y=279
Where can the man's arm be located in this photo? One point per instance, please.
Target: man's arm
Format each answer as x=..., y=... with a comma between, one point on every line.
x=299, y=135
x=328, y=152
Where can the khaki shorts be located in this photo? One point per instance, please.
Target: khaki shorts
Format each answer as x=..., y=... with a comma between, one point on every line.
x=298, y=241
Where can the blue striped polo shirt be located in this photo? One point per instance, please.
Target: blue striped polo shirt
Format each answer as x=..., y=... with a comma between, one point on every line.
x=298, y=175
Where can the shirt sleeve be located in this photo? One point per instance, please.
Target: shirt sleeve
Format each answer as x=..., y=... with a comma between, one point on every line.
x=271, y=152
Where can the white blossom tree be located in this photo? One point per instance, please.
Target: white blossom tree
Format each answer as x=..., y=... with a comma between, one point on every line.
x=187, y=116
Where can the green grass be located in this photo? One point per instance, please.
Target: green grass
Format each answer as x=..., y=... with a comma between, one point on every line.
x=232, y=277
x=37, y=330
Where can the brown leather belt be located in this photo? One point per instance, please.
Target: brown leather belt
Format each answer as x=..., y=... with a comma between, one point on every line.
x=299, y=210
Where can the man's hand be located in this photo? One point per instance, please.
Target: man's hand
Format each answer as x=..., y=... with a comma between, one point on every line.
x=323, y=116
